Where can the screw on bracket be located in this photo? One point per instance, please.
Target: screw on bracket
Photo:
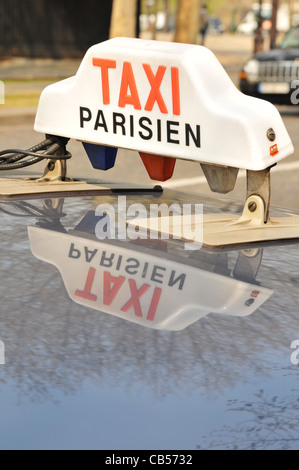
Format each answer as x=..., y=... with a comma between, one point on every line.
x=252, y=206
x=51, y=165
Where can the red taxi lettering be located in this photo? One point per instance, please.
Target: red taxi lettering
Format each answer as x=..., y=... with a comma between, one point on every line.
x=112, y=286
x=134, y=300
x=86, y=293
x=154, y=304
x=128, y=93
x=155, y=83
x=105, y=64
x=109, y=293
x=128, y=83
x=176, y=103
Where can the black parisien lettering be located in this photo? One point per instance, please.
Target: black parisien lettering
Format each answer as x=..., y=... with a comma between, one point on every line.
x=170, y=131
x=146, y=128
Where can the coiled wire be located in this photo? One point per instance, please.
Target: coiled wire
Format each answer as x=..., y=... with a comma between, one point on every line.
x=50, y=148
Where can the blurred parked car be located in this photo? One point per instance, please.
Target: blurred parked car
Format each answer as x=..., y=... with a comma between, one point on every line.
x=248, y=25
x=215, y=26
x=272, y=74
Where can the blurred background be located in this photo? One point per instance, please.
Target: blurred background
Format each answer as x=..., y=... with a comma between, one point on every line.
x=60, y=29
x=47, y=40
x=37, y=29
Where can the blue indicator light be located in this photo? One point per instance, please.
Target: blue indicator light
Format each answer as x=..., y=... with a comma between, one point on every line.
x=100, y=156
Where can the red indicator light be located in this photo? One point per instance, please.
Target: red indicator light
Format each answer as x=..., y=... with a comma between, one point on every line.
x=159, y=168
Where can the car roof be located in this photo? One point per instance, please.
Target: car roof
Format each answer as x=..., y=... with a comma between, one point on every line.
x=86, y=378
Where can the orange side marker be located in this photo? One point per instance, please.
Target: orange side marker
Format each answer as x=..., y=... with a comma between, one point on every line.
x=273, y=150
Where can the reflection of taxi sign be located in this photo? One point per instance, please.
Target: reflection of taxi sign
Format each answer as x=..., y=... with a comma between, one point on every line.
x=143, y=288
x=166, y=99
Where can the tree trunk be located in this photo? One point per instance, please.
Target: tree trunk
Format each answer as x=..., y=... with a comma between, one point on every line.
x=123, y=19
x=187, y=21
x=166, y=11
x=273, y=31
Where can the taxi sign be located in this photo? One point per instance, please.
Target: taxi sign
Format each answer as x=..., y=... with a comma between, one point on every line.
x=164, y=99
x=168, y=101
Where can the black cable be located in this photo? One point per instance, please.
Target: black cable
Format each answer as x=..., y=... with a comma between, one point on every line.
x=33, y=154
x=41, y=146
x=12, y=159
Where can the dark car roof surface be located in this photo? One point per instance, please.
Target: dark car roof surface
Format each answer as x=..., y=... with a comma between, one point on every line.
x=76, y=378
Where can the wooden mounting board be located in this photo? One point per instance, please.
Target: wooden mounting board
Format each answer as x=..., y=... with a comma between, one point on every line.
x=221, y=230
x=20, y=188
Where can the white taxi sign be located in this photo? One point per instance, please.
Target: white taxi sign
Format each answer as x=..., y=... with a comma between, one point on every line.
x=166, y=99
